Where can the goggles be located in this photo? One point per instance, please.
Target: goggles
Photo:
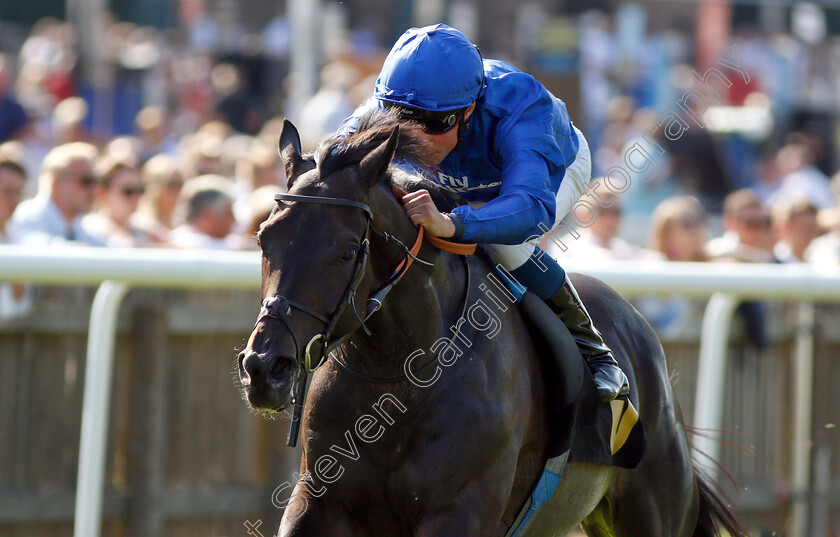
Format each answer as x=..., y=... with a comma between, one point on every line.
x=433, y=122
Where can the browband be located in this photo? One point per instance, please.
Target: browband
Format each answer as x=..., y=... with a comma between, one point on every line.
x=447, y=246
x=325, y=201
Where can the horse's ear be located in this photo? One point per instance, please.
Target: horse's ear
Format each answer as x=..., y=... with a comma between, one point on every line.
x=289, y=148
x=376, y=163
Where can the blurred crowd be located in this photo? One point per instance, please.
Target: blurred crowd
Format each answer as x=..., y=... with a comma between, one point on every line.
x=199, y=168
x=190, y=170
x=786, y=228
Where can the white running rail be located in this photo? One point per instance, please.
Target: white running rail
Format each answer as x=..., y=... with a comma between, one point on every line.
x=119, y=270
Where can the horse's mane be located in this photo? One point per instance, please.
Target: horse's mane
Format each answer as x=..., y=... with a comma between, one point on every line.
x=374, y=128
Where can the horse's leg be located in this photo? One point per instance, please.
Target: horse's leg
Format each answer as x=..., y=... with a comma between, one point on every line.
x=661, y=503
x=599, y=522
x=659, y=498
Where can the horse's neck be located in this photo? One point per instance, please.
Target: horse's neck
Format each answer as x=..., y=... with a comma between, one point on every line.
x=416, y=314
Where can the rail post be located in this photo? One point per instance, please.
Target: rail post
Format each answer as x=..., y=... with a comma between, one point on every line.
x=711, y=374
x=96, y=403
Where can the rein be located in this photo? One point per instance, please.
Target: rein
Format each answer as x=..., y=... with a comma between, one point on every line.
x=280, y=308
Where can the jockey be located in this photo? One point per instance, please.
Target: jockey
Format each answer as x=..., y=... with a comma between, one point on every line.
x=503, y=142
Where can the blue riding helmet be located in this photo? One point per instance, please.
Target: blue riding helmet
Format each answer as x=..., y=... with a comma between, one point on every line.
x=432, y=68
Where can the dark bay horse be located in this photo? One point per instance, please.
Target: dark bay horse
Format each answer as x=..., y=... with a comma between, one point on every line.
x=430, y=419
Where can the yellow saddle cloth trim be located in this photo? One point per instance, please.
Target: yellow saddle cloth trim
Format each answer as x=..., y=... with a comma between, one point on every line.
x=624, y=418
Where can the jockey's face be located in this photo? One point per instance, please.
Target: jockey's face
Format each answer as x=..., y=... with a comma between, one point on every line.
x=443, y=144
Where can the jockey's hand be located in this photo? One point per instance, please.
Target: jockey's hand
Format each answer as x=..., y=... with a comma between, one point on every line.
x=423, y=212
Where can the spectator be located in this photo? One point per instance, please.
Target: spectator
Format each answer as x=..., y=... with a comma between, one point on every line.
x=748, y=235
x=124, y=148
x=661, y=181
x=14, y=301
x=258, y=167
x=237, y=105
x=163, y=181
x=678, y=230
x=824, y=251
x=262, y=203
x=748, y=238
x=618, y=131
x=325, y=110
x=203, y=154
x=14, y=153
x=13, y=118
x=796, y=226
x=117, y=197
x=65, y=193
x=207, y=205
x=12, y=179
x=599, y=242
x=800, y=178
x=234, y=148
x=153, y=127
x=68, y=118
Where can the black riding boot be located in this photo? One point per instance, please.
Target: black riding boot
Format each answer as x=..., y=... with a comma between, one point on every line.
x=609, y=378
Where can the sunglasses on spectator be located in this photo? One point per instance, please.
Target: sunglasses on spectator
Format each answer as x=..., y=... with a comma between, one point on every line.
x=131, y=191
x=760, y=222
x=689, y=222
x=432, y=122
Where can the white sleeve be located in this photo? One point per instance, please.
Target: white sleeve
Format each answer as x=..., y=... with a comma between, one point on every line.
x=576, y=180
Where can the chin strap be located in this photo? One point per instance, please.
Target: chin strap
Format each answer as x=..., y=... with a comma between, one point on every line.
x=463, y=127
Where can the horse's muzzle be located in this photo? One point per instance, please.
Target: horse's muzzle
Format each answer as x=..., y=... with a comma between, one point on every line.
x=267, y=379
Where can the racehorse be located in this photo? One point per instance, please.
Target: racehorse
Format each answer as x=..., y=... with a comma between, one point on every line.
x=418, y=421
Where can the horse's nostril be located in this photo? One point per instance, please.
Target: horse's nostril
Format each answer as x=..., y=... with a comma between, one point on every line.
x=257, y=368
x=251, y=365
x=243, y=375
x=281, y=367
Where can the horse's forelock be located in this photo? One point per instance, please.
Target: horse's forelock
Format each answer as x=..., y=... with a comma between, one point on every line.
x=374, y=129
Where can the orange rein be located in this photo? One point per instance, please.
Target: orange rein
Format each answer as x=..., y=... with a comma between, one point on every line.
x=447, y=246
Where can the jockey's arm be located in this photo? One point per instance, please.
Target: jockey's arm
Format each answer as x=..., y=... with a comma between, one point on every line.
x=535, y=145
x=524, y=202
x=526, y=206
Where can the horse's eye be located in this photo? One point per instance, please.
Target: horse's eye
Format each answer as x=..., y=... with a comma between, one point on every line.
x=349, y=254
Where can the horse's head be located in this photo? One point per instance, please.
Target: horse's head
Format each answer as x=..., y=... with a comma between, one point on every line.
x=316, y=273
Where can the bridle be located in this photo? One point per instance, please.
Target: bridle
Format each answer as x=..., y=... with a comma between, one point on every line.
x=280, y=308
